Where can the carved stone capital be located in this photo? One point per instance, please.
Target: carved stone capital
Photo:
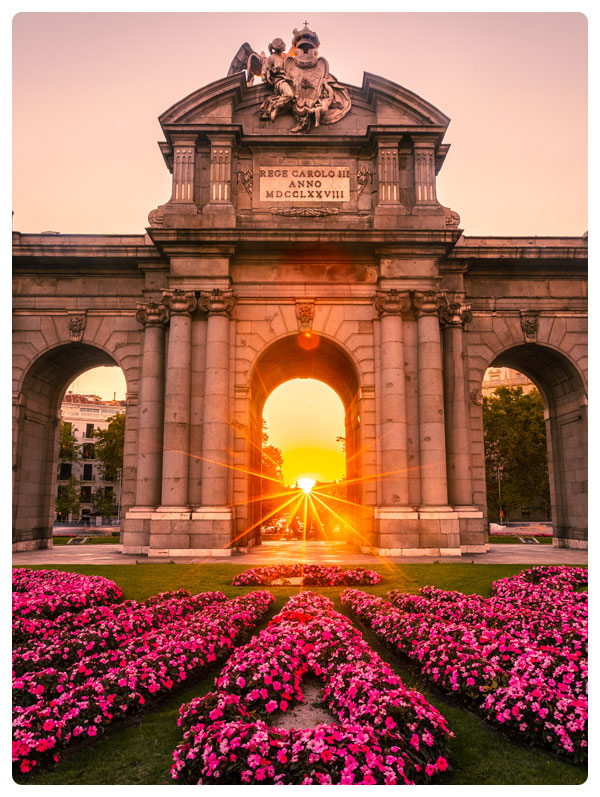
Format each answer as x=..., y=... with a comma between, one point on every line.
x=427, y=302
x=179, y=302
x=152, y=314
x=76, y=322
x=476, y=397
x=217, y=302
x=391, y=302
x=529, y=325
x=305, y=312
x=455, y=314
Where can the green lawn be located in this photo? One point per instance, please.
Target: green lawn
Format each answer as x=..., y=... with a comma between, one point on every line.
x=91, y=540
x=509, y=539
x=139, y=751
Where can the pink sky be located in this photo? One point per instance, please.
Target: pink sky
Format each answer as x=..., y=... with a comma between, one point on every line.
x=88, y=89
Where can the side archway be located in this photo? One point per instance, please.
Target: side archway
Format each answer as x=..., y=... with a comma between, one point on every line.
x=35, y=440
x=305, y=356
x=565, y=412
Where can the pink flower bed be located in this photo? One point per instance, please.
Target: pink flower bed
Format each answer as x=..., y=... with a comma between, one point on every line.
x=312, y=575
x=80, y=701
x=71, y=637
x=519, y=657
x=47, y=593
x=385, y=733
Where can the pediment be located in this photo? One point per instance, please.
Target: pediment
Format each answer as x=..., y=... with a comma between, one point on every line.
x=230, y=101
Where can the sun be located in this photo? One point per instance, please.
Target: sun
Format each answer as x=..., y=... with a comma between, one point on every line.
x=306, y=485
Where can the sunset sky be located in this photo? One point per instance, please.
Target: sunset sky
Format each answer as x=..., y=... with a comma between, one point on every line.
x=88, y=88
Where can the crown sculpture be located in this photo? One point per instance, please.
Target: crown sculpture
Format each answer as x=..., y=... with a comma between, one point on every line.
x=299, y=80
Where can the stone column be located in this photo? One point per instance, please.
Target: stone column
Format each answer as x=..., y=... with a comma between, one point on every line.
x=175, y=464
x=393, y=439
x=216, y=458
x=432, y=442
x=197, y=405
x=154, y=317
x=453, y=317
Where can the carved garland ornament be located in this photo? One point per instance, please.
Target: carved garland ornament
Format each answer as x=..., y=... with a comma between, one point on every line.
x=305, y=212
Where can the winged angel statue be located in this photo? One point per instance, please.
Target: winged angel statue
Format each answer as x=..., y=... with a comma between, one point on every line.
x=300, y=81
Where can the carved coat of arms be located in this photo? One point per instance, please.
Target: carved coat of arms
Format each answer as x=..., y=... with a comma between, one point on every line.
x=300, y=81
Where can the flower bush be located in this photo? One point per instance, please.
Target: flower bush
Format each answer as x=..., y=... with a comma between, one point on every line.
x=47, y=593
x=385, y=733
x=312, y=575
x=519, y=657
x=61, y=706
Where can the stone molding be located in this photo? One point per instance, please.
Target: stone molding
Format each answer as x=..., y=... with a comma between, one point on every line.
x=179, y=302
x=217, y=302
x=305, y=212
x=152, y=314
x=392, y=302
x=76, y=323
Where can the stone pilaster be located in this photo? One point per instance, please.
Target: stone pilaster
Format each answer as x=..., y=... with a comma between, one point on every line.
x=392, y=433
x=184, y=166
x=154, y=317
x=432, y=443
x=219, y=202
x=176, y=455
x=218, y=305
x=424, y=171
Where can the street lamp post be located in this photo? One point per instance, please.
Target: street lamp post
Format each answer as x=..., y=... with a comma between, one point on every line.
x=499, y=470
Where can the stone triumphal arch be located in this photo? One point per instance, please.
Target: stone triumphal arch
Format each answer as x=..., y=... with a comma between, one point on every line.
x=303, y=237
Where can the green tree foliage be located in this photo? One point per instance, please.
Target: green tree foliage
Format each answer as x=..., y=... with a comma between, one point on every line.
x=271, y=458
x=68, y=498
x=102, y=503
x=515, y=443
x=109, y=446
x=69, y=449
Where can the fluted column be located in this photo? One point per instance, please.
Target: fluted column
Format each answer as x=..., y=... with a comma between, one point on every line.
x=454, y=316
x=197, y=405
x=432, y=442
x=154, y=317
x=393, y=438
x=175, y=465
x=216, y=457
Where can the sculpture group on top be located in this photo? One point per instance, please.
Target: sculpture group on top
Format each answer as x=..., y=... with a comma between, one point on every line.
x=300, y=81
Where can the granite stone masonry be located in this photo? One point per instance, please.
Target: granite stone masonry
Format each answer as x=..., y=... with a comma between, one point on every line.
x=303, y=238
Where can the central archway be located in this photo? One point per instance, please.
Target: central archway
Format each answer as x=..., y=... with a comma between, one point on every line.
x=305, y=356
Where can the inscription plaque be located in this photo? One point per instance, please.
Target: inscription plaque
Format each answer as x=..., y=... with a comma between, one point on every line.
x=304, y=183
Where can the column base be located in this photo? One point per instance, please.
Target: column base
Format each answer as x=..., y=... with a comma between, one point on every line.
x=426, y=531
x=171, y=513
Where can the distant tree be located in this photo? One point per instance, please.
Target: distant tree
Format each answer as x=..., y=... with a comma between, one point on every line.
x=103, y=503
x=69, y=449
x=272, y=458
x=109, y=447
x=271, y=466
x=515, y=448
x=68, y=498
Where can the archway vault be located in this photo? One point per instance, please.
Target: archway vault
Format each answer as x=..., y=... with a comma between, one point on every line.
x=305, y=356
x=36, y=443
x=565, y=412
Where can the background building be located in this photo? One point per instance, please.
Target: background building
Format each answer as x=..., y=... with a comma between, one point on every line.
x=85, y=414
x=505, y=377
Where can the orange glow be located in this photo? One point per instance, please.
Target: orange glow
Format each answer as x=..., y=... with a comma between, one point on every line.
x=308, y=341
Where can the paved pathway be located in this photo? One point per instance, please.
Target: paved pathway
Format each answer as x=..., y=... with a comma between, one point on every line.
x=278, y=552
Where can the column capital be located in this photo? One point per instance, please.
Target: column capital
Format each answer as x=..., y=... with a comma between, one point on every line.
x=151, y=314
x=179, y=302
x=455, y=314
x=391, y=302
x=217, y=302
x=427, y=302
